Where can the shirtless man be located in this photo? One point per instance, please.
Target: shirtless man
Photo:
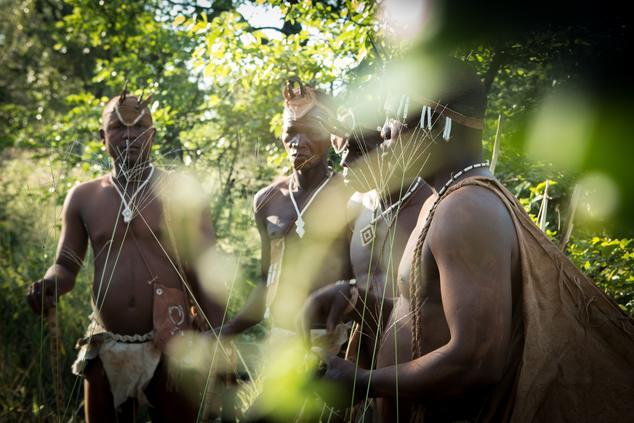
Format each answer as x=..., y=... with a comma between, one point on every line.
x=386, y=210
x=136, y=270
x=301, y=219
x=454, y=342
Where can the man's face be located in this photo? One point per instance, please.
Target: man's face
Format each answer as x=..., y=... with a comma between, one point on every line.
x=306, y=141
x=375, y=160
x=128, y=145
x=407, y=147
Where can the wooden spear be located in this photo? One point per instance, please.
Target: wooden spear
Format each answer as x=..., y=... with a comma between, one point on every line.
x=55, y=345
x=543, y=210
x=567, y=233
x=496, y=147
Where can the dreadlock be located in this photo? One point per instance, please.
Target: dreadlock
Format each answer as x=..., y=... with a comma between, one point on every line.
x=416, y=301
x=415, y=284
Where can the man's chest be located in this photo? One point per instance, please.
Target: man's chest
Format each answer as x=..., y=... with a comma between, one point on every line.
x=427, y=276
x=105, y=218
x=378, y=241
x=321, y=216
x=280, y=216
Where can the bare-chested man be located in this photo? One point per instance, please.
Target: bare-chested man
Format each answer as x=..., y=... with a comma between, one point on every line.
x=140, y=292
x=301, y=218
x=487, y=324
x=389, y=196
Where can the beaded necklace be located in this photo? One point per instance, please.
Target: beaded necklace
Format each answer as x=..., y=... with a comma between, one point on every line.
x=127, y=213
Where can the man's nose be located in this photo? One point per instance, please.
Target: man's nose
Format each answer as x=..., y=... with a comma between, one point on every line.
x=136, y=136
x=295, y=139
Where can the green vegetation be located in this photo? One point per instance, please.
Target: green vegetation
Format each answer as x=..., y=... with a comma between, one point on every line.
x=216, y=80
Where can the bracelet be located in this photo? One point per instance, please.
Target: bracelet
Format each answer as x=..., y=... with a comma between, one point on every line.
x=354, y=296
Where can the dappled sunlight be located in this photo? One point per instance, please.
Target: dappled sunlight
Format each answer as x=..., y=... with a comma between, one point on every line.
x=408, y=20
x=287, y=379
x=561, y=131
x=184, y=209
x=600, y=197
x=217, y=271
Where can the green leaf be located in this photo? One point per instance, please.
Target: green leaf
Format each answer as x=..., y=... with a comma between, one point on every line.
x=179, y=20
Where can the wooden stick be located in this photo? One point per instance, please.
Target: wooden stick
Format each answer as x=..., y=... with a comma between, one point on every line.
x=496, y=146
x=567, y=233
x=544, y=208
x=54, y=336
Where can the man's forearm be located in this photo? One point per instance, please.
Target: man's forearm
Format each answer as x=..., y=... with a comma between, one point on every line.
x=64, y=278
x=438, y=374
x=371, y=309
x=251, y=314
x=237, y=325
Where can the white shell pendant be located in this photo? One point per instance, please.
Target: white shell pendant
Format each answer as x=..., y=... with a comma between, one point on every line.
x=299, y=227
x=127, y=215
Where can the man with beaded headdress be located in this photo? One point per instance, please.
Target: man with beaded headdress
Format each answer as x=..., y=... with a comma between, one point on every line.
x=492, y=323
x=143, y=287
x=301, y=218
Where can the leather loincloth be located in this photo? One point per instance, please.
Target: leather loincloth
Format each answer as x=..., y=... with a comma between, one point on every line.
x=128, y=360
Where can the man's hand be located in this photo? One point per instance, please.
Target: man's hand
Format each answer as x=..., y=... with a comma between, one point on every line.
x=41, y=295
x=327, y=306
x=225, y=330
x=343, y=383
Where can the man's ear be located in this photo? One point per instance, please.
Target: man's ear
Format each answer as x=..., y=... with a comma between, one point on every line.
x=102, y=135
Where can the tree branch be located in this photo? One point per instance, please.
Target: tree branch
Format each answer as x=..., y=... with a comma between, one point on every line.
x=499, y=58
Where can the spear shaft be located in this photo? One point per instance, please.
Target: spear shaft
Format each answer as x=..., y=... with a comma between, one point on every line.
x=54, y=344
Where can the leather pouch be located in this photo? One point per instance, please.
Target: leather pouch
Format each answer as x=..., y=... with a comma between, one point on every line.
x=170, y=314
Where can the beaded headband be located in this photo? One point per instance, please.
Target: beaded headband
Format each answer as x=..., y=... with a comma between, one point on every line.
x=141, y=104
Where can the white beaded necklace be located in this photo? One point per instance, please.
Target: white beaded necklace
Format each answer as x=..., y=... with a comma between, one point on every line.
x=367, y=232
x=458, y=174
x=127, y=213
x=451, y=180
x=299, y=222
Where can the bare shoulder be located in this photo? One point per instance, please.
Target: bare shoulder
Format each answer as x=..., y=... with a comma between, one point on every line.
x=361, y=203
x=473, y=216
x=263, y=197
x=355, y=205
x=83, y=192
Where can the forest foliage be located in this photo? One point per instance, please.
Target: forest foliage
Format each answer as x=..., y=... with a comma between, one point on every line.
x=216, y=79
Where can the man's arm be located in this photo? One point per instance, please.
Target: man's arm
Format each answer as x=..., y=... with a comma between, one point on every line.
x=334, y=304
x=71, y=249
x=253, y=310
x=471, y=240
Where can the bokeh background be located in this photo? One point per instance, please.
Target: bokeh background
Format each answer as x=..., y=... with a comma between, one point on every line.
x=559, y=95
